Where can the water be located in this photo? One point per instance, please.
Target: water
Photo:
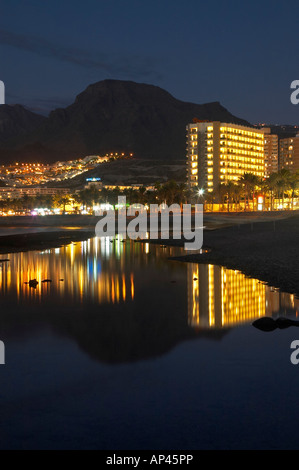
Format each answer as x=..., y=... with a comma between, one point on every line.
x=126, y=349
x=8, y=230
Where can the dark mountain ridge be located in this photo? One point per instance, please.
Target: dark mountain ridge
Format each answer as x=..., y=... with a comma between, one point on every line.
x=113, y=116
x=17, y=121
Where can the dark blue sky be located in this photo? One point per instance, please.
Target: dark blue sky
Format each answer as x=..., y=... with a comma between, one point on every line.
x=244, y=55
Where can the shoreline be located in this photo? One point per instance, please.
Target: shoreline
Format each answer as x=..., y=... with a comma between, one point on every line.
x=267, y=251
x=43, y=240
x=265, y=248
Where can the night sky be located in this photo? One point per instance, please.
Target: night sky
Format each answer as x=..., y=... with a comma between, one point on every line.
x=244, y=55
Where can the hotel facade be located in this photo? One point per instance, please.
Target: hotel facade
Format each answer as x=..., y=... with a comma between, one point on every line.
x=271, y=149
x=220, y=152
x=289, y=154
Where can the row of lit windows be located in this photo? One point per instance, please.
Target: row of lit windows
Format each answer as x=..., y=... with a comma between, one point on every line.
x=236, y=176
x=245, y=167
x=254, y=158
x=240, y=172
x=240, y=155
x=241, y=146
x=241, y=131
x=238, y=158
x=252, y=167
x=232, y=130
x=241, y=139
x=241, y=150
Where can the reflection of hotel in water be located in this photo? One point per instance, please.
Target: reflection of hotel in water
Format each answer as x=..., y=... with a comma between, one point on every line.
x=106, y=271
x=220, y=297
x=93, y=270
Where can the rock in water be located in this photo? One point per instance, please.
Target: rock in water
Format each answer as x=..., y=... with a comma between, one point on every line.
x=265, y=324
x=33, y=283
x=283, y=323
x=269, y=324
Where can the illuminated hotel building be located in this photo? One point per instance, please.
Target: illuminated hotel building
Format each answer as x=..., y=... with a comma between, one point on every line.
x=271, y=152
x=219, y=152
x=289, y=153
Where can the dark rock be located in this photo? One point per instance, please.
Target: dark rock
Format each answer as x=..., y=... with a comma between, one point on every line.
x=269, y=324
x=33, y=283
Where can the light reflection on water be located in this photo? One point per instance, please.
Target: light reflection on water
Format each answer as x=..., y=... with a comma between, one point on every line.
x=104, y=270
x=93, y=269
x=219, y=297
x=110, y=358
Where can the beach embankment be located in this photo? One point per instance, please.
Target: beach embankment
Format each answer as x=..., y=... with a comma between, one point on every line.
x=267, y=250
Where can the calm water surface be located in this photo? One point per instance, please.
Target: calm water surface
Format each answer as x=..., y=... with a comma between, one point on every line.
x=126, y=349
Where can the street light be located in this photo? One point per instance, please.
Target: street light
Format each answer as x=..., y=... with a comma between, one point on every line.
x=201, y=192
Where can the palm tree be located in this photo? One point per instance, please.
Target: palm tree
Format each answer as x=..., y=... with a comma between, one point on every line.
x=88, y=196
x=171, y=189
x=220, y=193
x=171, y=192
x=293, y=186
x=15, y=204
x=283, y=182
x=249, y=181
x=181, y=193
x=61, y=200
x=210, y=197
x=236, y=194
x=141, y=195
x=4, y=204
x=272, y=186
x=45, y=201
x=131, y=195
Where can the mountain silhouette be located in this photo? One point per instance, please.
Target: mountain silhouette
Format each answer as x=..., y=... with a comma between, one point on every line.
x=16, y=122
x=109, y=116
